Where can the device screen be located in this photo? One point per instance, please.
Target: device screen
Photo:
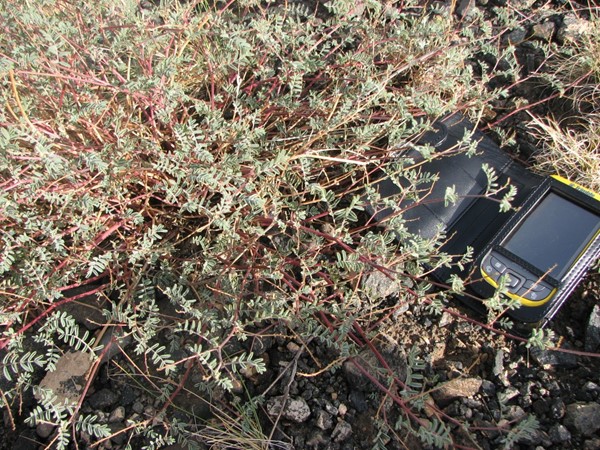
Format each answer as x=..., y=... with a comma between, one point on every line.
x=553, y=235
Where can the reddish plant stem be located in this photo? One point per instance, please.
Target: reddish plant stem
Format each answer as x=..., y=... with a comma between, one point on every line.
x=4, y=342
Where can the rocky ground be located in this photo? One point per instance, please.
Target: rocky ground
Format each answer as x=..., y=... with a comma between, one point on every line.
x=319, y=401
x=476, y=380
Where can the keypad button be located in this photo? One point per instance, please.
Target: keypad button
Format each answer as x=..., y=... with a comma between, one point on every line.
x=498, y=265
x=513, y=280
x=528, y=294
x=534, y=286
x=490, y=270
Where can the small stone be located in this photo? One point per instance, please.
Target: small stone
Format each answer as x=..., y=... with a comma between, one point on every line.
x=377, y=285
x=293, y=347
x=466, y=9
x=249, y=372
x=592, y=332
x=342, y=409
x=554, y=358
x=430, y=408
x=138, y=407
x=574, y=28
x=583, y=417
x=118, y=415
x=516, y=37
x=294, y=409
x=437, y=355
x=236, y=386
x=508, y=394
x=591, y=444
x=498, y=368
x=559, y=433
x=446, y=319
x=331, y=409
x=324, y=420
x=67, y=381
x=342, y=431
x=149, y=411
x=44, y=430
x=521, y=5
x=457, y=388
x=358, y=400
x=316, y=440
x=515, y=413
x=103, y=399
x=543, y=31
x=557, y=409
x=488, y=388
x=355, y=377
x=535, y=437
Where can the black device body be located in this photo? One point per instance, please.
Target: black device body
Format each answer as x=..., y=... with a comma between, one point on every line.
x=540, y=250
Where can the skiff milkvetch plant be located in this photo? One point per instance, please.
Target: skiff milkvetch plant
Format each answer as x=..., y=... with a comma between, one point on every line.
x=212, y=157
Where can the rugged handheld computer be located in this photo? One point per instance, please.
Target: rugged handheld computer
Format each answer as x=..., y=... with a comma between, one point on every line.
x=544, y=249
x=540, y=250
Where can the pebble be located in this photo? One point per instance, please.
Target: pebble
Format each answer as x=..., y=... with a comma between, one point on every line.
x=557, y=409
x=583, y=417
x=103, y=399
x=324, y=420
x=592, y=332
x=554, y=358
x=342, y=409
x=316, y=440
x=488, y=388
x=44, y=430
x=331, y=409
x=573, y=28
x=353, y=374
x=508, y=394
x=342, y=431
x=446, y=319
x=456, y=388
x=149, y=411
x=138, y=407
x=293, y=347
x=515, y=413
x=294, y=409
x=534, y=438
x=558, y=433
x=377, y=285
x=591, y=444
x=544, y=31
x=118, y=415
x=516, y=37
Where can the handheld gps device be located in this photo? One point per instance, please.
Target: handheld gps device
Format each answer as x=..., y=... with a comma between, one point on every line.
x=544, y=249
x=539, y=251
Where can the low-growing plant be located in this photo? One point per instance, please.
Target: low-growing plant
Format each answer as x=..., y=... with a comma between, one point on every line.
x=215, y=157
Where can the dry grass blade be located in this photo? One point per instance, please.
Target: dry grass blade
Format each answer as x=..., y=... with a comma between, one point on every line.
x=574, y=154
